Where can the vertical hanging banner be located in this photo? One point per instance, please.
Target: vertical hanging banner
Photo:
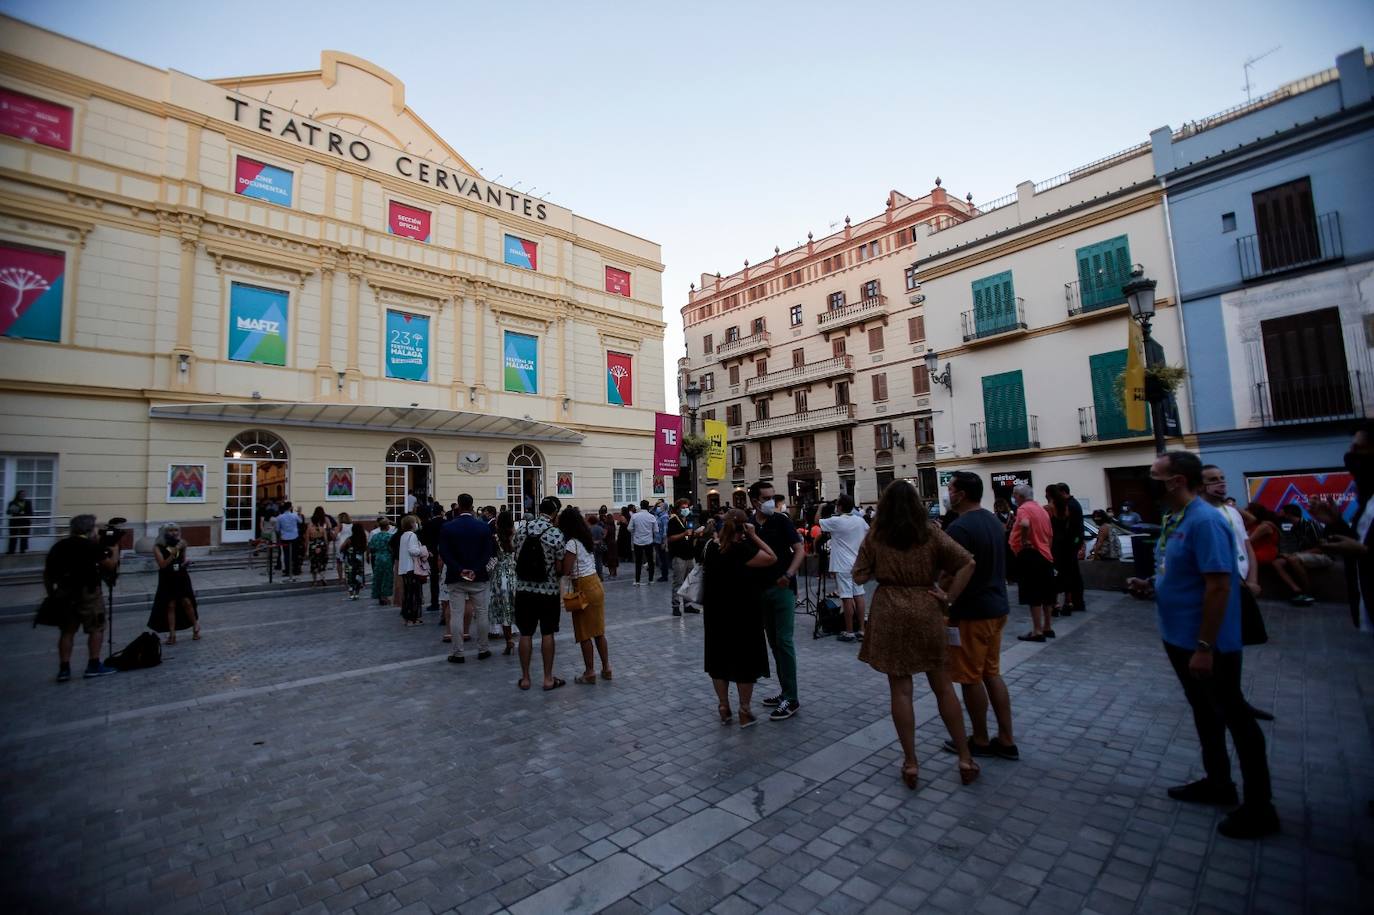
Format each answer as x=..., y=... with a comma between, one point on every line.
x=30, y=118
x=408, y=221
x=521, y=253
x=31, y=293
x=262, y=181
x=667, y=443
x=257, y=324
x=619, y=379
x=618, y=281
x=407, y=346
x=1134, y=389
x=521, y=363
x=715, y=450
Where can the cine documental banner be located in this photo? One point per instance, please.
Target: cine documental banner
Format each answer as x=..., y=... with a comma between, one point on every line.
x=408, y=221
x=715, y=450
x=667, y=443
x=619, y=380
x=30, y=118
x=407, y=346
x=257, y=324
x=262, y=181
x=521, y=363
x=521, y=253
x=31, y=293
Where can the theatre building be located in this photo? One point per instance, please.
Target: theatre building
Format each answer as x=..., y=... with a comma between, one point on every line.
x=223, y=292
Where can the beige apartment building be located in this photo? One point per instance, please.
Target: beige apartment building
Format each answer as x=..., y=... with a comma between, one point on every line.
x=288, y=286
x=815, y=360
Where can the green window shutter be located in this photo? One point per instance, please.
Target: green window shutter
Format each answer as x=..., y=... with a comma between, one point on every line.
x=1103, y=268
x=1105, y=369
x=1004, y=411
x=994, y=304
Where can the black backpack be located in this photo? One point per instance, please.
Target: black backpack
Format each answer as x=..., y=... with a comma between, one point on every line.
x=529, y=565
x=144, y=651
x=829, y=618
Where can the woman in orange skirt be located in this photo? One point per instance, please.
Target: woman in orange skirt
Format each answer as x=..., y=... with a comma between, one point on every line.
x=589, y=622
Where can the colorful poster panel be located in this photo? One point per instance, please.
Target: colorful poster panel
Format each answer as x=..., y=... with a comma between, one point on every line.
x=262, y=181
x=619, y=380
x=31, y=293
x=257, y=324
x=408, y=221
x=563, y=481
x=30, y=118
x=660, y=485
x=1274, y=491
x=407, y=346
x=185, y=482
x=521, y=253
x=521, y=363
x=338, y=484
x=618, y=281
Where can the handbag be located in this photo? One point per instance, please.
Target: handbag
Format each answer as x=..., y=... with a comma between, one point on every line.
x=572, y=598
x=692, y=586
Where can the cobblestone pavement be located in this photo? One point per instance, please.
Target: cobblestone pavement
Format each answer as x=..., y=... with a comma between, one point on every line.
x=310, y=754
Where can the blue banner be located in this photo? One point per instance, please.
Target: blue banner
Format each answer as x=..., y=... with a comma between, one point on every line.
x=263, y=182
x=257, y=324
x=407, y=346
x=522, y=363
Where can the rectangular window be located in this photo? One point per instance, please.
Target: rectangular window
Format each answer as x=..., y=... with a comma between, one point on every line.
x=35, y=277
x=1110, y=412
x=708, y=414
x=618, y=281
x=867, y=250
x=1304, y=358
x=737, y=455
x=870, y=290
x=804, y=446
x=1228, y=222
x=758, y=326
x=1004, y=412
x=732, y=334
x=408, y=221
x=835, y=301
x=841, y=393
x=916, y=329
x=845, y=442
x=798, y=358
x=994, y=304
x=36, y=119
x=261, y=181
x=734, y=374
x=1286, y=223
x=875, y=339
x=911, y=282
x=794, y=315
x=882, y=437
x=792, y=279
x=761, y=408
x=625, y=487
x=925, y=430
x=883, y=478
x=756, y=292
x=761, y=367
x=837, y=346
x=37, y=477
x=880, y=387
x=258, y=324
x=1103, y=268
x=733, y=415
x=708, y=381
x=765, y=452
x=521, y=252
x=799, y=401
x=708, y=347
x=832, y=263
x=920, y=379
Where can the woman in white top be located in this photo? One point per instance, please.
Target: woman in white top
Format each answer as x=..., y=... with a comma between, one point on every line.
x=589, y=623
x=345, y=534
x=413, y=567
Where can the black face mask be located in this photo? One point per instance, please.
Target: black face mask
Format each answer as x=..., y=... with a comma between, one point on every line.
x=1159, y=491
x=1361, y=467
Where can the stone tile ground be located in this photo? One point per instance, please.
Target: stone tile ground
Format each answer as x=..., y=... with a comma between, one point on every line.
x=312, y=755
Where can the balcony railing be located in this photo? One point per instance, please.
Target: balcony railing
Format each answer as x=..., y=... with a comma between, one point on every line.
x=819, y=418
x=803, y=464
x=980, y=327
x=1104, y=293
x=862, y=310
x=1312, y=399
x=1018, y=438
x=743, y=346
x=1290, y=247
x=1092, y=428
x=800, y=374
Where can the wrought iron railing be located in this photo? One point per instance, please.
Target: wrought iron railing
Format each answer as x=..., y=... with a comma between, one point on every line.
x=838, y=414
x=1105, y=292
x=743, y=345
x=799, y=374
x=848, y=314
x=1290, y=247
x=1004, y=439
x=803, y=464
x=1312, y=399
x=978, y=327
x=1108, y=429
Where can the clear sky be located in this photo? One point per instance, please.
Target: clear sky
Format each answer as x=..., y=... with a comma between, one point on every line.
x=720, y=129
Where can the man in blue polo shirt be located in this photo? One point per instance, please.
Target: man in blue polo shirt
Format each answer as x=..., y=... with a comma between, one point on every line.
x=1197, y=594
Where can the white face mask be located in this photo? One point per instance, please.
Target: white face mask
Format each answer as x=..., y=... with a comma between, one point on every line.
x=766, y=508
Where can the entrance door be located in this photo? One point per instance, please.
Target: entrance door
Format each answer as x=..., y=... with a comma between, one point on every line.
x=1132, y=484
x=36, y=477
x=524, y=481
x=254, y=458
x=240, y=512
x=408, y=470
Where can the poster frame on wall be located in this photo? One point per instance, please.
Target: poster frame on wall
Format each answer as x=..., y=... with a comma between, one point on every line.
x=626, y=390
x=629, y=281
x=173, y=471
x=352, y=478
x=392, y=203
x=388, y=367
x=564, y=484
x=66, y=131
x=255, y=158
x=506, y=369
x=22, y=281
x=231, y=317
x=524, y=255
x=658, y=485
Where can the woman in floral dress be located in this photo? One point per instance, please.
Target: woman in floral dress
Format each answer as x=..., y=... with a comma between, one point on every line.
x=379, y=546
x=500, y=603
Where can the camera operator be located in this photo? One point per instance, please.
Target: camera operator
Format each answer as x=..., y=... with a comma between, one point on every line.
x=72, y=575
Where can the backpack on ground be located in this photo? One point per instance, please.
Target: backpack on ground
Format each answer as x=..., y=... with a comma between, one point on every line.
x=829, y=618
x=529, y=565
x=144, y=651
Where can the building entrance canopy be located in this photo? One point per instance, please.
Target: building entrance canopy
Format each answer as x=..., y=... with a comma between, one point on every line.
x=367, y=418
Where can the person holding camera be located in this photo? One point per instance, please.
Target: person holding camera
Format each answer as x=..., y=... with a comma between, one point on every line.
x=71, y=576
x=174, y=604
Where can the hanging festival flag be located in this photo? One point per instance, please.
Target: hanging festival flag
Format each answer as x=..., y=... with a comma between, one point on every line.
x=1134, y=387
x=667, y=443
x=715, y=451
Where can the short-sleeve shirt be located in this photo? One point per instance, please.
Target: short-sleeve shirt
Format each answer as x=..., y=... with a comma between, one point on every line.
x=981, y=534
x=1195, y=542
x=777, y=531
x=584, y=563
x=1242, y=537
x=846, y=533
x=553, y=543
x=74, y=562
x=288, y=526
x=1040, y=532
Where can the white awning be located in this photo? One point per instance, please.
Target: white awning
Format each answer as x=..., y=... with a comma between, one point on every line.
x=367, y=418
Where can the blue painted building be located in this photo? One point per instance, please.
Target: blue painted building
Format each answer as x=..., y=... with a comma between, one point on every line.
x=1270, y=208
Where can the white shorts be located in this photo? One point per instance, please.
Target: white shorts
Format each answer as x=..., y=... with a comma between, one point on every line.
x=844, y=585
x=443, y=592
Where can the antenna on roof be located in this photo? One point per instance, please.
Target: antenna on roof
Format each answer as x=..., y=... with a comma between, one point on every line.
x=1250, y=63
x=530, y=192
x=313, y=110
x=497, y=178
x=515, y=186
x=293, y=104
x=269, y=95
x=427, y=152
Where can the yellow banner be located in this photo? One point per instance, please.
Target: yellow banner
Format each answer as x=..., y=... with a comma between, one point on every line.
x=1134, y=389
x=715, y=450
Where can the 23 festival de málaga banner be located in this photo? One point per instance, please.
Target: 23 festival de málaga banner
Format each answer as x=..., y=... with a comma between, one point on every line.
x=407, y=346
x=521, y=362
x=1277, y=490
x=31, y=293
x=257, y=324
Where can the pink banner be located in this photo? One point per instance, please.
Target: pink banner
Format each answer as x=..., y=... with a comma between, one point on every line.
x=30, y=118
x=408, y=222
x=667, y=443
x=618, y=281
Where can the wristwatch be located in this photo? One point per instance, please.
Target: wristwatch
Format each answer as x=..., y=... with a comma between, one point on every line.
x=1203, y=645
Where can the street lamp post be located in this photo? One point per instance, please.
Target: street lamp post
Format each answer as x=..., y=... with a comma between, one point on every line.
x=1140, y=293
x=693, y=394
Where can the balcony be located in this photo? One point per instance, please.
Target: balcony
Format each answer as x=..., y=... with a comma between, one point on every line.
x=733, y=349
x=803, y=464
x=810, y=420
x=1006, y=439
x=1103, y=294
x=1290, y=247
x=862, y=310
x=1092, y=428
x=1312, y=399
x=992, y=324
x=800, y=374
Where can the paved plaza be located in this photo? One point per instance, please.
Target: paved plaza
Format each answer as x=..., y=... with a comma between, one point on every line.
x=311, y=755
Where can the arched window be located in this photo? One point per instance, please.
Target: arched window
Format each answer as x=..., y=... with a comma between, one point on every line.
x=524, y=481
x=409, y=451
x=258, y=444
x=409, y=476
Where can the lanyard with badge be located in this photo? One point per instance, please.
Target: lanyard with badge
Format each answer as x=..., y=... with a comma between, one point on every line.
x=1172, y=522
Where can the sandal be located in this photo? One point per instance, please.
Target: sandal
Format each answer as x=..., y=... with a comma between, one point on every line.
x=746, y=719
x=910, y=773
x=195, y=635
x=522, y=683
x=557, y=682
x=969, y=774
x=586, y=679
x=607, y=675
x=725, y=713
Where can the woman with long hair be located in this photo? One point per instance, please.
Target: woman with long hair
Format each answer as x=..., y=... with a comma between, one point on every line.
x=383, y=568
x=413, y=569
x=735, y=646
x=501, y=600
x=341, y=537
x=317, y=545
x=174, y=604
x=906, y=635
x=589, y=623
x=353, y=552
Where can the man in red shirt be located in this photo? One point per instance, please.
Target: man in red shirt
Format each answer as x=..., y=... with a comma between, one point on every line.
x=1030, y=543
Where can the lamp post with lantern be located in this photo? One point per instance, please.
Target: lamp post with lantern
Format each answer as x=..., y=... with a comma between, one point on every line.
x=1140, y=294
x=692, y=393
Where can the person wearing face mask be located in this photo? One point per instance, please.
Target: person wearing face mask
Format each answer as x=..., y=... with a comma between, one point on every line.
x=680, y=552
x=778, y=597
x=1196, y=586
x=1359, y=461
x=174, y=604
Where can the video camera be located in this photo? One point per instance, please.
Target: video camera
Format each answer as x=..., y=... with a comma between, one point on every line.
x=108, y=535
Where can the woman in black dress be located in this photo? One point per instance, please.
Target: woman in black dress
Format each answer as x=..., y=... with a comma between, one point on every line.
x=174, y=605
x=736, y=649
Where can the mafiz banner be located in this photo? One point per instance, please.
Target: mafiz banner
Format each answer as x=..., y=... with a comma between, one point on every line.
x=31, y=293
x=262, y=182
x=667, y=443
x=407, y=346
x=618, y=281
x=619, y=380
x=30, y=118
x=407, y=221
x=521, y=253
x=521, y=363
x=257, y=324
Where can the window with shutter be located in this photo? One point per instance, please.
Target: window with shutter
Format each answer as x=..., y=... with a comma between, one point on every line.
x=794, y=315
x=925, y=431
x=870, y=290
x=798, y=358
x=1304, y=357
x=835, y=301
x=706, y=347
x=1004, y=411
x=880, y=387
x=799, y=401
x=1108, y=406
x=732, y=415
x=1286, y=223
x=882, y=436
x=765, y=452
x=761, y=409
x=837, y=346
x=841, y=393
x=761, y=367
x=759, y=326
x=1103, y=268
x=920, y=379
x=804, y=446
x=734, y=374
x=846, y=441
x=911, y=282
x=994, y=304
x=916, y=328
x=875, y=339
x=708, y=381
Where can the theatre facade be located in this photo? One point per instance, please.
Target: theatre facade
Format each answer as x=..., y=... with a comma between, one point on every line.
x=220, y=293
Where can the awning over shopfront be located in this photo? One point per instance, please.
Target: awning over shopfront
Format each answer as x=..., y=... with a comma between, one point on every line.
x=367, y=418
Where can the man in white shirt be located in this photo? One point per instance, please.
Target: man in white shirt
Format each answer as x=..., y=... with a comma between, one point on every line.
x=643, y=527
x=847, y=531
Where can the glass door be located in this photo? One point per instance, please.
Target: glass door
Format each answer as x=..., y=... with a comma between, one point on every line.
x=240, y=512
x=36, y=477
x=397, y=485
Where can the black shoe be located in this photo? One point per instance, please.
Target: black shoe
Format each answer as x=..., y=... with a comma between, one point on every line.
x=64, y=673
x=784, y=710
x=1250, y=822
x=1004, y=750
x=973, y=748
x=858, y=635
x=772, y=701
x=693, y=610
x=1204, y=791
x=1260, y=714
x=1049, y=633
x=1030, y=637
x=483, y=655
x=456, y=659
x=677, y=612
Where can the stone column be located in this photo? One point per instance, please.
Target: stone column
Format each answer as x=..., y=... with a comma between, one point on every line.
x=188, y=236
x=355, y=281
x=327, y=382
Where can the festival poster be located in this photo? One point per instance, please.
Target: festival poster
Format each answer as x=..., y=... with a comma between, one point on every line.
x=521, y=253
x=618, y=281
x=1274, y=491
x=563, y=483
x=262, y=181
x=408, y=221
x=29, y=118
x=257, y=324
x=338, y=484
x=660, y=485
x=31, y=298
x=715, y=450
x=407, y=346
x=667, y=443
x=521, y=363
x=185, y=482
x=619, y=379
